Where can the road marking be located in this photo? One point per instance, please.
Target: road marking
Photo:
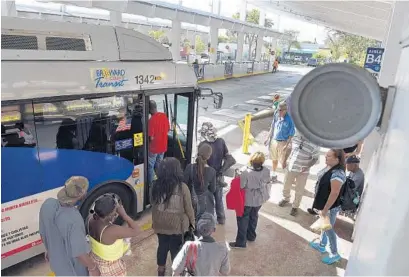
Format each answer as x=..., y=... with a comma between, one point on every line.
x=280, y=93
x=231, y=113
x=226, y=130
x=216, y=123
x=283, y=91
x=266, y=97
x=259, y=103
x=245, y=107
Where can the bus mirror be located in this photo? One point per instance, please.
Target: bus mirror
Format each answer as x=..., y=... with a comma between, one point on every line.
x=336, y=105
x=217, y=96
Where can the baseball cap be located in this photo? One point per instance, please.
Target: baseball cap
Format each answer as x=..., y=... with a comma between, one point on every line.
x=73, y=189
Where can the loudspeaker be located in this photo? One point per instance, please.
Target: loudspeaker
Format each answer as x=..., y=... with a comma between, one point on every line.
x=336, y=105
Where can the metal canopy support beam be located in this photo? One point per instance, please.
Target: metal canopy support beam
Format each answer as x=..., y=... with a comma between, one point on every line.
x=392, y=45
x=175, y=39
x=214, y=35
x=260, y=36
x=262, y=19
x=8, y=8
x=243, y=10
x=260, y=43
x=240, y=44
x=167, y=11
x=115, y=18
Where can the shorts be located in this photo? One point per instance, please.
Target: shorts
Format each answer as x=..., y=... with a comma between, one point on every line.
x=277, y=149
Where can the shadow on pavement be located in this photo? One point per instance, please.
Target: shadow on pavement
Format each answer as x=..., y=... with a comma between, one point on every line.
x=304, y=220
x=344, y=228
x=279, y=251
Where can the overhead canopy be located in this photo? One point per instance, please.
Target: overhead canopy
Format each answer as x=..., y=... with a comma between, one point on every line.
x=159, y=9
x=365, y=18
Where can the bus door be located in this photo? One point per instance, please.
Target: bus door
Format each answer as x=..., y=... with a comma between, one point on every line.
x=179, y=109
x=182, y=120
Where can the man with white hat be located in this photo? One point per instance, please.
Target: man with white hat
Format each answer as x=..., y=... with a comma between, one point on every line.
x=221, y=160
x=63, y=232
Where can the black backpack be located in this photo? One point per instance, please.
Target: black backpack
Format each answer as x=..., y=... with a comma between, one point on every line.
x=349, y=195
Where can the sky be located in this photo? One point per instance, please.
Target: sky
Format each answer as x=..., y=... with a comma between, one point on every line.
x=308, y=31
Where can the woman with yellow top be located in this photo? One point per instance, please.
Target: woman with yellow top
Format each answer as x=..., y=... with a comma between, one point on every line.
x=108, y=240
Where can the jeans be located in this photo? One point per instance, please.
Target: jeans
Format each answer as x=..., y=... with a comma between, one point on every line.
x=246, y=226
x=167, y=243
x=330, y=234
x=205, y=204
x=153, y=162
x=218, y=197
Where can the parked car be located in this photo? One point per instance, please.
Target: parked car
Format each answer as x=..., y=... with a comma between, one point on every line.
x=204, y=58
x=312, y=62
x=297, y=59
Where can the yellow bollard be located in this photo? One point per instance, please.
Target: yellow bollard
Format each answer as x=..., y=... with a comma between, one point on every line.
x=246, y=133
x=241, y=125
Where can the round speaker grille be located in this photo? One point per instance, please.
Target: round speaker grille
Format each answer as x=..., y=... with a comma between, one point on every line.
x=336, y=105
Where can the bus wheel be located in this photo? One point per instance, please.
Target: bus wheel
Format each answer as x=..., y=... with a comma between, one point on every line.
x=118, y=191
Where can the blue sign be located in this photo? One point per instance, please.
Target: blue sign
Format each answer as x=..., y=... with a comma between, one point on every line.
x=373, y=60
x=110, y=78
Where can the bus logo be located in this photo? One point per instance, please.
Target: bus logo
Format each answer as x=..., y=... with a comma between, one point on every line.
x=110, y=78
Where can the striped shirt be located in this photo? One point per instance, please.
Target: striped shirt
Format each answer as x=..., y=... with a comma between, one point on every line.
x=302, y=153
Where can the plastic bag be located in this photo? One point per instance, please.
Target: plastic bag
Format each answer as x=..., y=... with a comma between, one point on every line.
x=128, y=251
x=322, y=224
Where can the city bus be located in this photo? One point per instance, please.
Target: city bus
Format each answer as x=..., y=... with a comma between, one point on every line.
x=75, y=102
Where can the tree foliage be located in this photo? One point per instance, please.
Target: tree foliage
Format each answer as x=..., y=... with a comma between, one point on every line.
x=353, y=47
x=159, y=35
x=291, y=41
x=322, y=54
x=252, y=16
x=200, y=45
x=226, y=39
x=156, y=34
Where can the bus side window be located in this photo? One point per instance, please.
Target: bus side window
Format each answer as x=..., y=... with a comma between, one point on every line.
x=20, y=164
x=16, y=127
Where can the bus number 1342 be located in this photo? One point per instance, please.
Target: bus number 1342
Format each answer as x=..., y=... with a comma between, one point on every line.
x=145, y=79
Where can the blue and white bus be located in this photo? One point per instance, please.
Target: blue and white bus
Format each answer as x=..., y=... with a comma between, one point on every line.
x=75, y=102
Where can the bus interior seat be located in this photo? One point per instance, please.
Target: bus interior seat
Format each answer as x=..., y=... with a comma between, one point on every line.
x=97, y=140
x=13, y=140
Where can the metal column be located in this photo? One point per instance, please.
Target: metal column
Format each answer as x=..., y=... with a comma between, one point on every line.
x=392, y=44
x=214, y=35
x=175, y=39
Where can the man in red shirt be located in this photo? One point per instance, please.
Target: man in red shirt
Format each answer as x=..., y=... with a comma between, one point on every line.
x=158, y=129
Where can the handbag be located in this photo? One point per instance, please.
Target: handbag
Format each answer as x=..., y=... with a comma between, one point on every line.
x=191, y=259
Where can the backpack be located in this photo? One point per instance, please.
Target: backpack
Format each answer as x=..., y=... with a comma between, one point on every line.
x=349, y=195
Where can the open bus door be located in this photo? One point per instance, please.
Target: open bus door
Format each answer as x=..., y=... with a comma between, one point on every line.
x=182, y=112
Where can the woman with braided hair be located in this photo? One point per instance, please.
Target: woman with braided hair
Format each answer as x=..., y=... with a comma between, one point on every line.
x=201, y=180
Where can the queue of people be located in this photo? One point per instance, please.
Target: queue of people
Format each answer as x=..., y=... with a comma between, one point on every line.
x=187, y=205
